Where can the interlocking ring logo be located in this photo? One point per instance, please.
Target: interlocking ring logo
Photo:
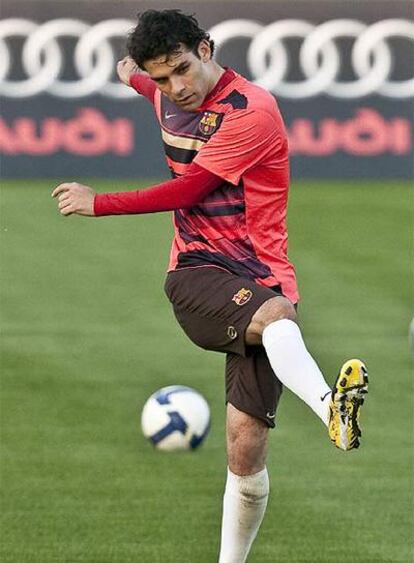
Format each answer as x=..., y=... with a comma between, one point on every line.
x=42, y=58
x=267, y=57
x=319, y=56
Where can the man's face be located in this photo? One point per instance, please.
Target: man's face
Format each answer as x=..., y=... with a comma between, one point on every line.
x=183, y=77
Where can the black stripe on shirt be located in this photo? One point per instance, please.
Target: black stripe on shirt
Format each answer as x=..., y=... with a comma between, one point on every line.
x=218, y=210
x=184, y=156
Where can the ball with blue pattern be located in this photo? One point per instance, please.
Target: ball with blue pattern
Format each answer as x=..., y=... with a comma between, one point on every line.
x=176, y=418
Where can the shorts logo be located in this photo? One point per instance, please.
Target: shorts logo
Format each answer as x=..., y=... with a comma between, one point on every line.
x=209, y=122
x=232, y=333
x=242, y=296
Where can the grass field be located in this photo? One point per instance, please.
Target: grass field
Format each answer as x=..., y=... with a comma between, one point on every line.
x=87, y=335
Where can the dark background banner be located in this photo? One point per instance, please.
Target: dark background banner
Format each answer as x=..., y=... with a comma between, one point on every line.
x=97, y=133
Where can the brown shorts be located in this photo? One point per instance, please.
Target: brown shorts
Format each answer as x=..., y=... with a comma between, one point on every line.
x=214, y=308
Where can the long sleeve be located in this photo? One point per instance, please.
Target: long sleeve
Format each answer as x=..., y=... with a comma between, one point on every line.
x=143, y=85
x=180, y=193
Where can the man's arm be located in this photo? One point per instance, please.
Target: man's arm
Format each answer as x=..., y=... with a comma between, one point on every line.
x=130, y=74
x=245, y=138
x=125, y=69
x=180, y=193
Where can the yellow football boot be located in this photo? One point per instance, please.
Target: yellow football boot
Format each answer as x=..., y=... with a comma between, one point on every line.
x=346, y=400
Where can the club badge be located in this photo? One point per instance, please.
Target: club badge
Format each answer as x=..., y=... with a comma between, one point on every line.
x=242, y=296
x=209, y=122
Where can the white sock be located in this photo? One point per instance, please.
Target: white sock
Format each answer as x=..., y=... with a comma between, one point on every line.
x=244, y=505
x=295, y=367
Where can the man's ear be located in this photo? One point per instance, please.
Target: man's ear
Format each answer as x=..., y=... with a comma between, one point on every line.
x=204, y=51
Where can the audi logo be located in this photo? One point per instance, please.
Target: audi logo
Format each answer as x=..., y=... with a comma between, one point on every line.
x=268, y=57
x=319, y=57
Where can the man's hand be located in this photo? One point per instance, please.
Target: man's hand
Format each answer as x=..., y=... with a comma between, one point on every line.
x=74, y=198
x=126, y=68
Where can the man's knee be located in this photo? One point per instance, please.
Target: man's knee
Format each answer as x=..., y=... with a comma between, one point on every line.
x=274, y=309
x=246, y=442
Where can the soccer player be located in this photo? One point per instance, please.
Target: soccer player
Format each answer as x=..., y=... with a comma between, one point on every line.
x=229, y=280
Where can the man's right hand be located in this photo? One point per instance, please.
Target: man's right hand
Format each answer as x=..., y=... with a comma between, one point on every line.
x=126, y=68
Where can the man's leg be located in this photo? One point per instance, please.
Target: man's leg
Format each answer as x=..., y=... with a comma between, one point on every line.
x=247, y=486
x=274, y=326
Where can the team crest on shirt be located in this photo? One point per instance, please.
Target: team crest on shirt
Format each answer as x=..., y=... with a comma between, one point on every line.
x=242, y=296
x=209, y=122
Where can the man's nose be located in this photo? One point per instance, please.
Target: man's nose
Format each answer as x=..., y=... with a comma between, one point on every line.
x=177, y=85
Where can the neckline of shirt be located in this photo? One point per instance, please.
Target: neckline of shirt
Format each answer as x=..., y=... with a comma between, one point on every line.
x=228, y=76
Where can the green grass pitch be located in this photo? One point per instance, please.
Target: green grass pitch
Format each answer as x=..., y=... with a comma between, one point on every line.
x=88, y=335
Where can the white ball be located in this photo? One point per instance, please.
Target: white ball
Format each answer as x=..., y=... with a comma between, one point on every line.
x=176, y=418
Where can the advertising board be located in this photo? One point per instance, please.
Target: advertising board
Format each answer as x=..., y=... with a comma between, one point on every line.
x=340, y=71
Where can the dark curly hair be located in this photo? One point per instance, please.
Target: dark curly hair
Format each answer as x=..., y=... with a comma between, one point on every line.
x=160, y=32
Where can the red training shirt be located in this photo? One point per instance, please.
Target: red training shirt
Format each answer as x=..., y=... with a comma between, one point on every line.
x=238, y=136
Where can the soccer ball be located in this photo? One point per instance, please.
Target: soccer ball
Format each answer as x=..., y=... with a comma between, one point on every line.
x=176, y=418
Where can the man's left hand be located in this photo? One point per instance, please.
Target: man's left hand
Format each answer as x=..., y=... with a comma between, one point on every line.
x=126, y=68
x=75, y=198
